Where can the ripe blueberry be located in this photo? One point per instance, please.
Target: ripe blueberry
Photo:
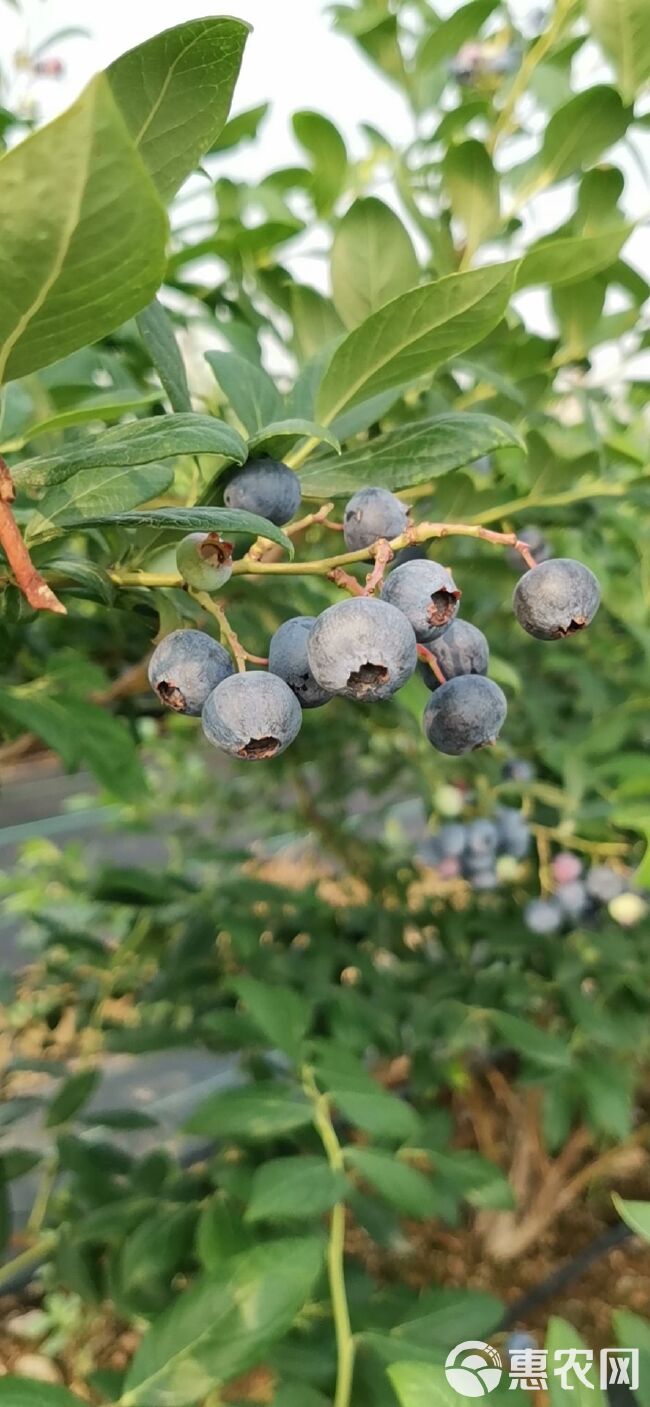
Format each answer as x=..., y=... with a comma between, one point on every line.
x=415, y=552
x=543, y=916
x=538, y=545
x=452, y=839
x=513, y=834
x=266, y=487
x=481, y=842
x=484, y=878
x=362, y=648
x=426, y=594
x=461, y=650
x=185, y=667
x=253, y=716
x=604, y=884
x=465, y=714
x=517, y=769
x=556, y=599
x=370, y=514
x=204, y=561
x=288, y=659
x=572, y=899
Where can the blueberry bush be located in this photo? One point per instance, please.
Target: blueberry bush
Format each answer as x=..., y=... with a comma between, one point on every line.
x=387, y=535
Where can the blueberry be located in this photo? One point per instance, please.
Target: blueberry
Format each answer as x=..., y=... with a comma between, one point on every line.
x=288, y=659
x=481, y=842
x=538, y=545
x=252, y=715
x=371, y=514
x=452, y=839
x=517, y=769
x=484, y=879
x=557, y=598
x=185, y=667
x=204, y=561
x=543, y=916
x=603, y=883
x=513, y=835
x=266, y=487
x=362, y=648
x=573, y=899
x=465, y=714
x=566, y=868
x=415, y=552
x=426, y=594
x=461, y=650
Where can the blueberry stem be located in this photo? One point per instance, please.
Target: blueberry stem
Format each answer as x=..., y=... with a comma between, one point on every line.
x=576, y=842
x=264, y=544
x=432, y=662
x=229, y=638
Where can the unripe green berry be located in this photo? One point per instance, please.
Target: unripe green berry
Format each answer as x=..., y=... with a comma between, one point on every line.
x=627, y=909
x=204, y=561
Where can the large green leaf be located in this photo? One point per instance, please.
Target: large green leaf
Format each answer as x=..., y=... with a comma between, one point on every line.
x=140, y=442
x=19, y=1392
x=83, y=234
x=472, y=185
x=422, y=1385
x=223, y=1325
x=413, y=335
x=250, y=392
x=282, y=1014
x=188, y=520
x=623, y=29
x=174, y=92
x=97, y=491
x=290, y=1189
x=81, y=732
x=537, y=1045
x=329, y=159
x=373, y=260
x=634, y=1332
x=71, y=1097
x=404, y=1187
x=411, y=455
x=280, y=437
x=445, y=39
x=315, y=320
x=571, y=259
x=580, y=131
x=157, y=334
x=262, y=1112
x=561, y=1338
x=106, y=405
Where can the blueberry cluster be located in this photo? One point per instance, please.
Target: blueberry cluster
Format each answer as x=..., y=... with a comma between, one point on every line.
x=364, y=648
x=486, y=852
x=579, y=896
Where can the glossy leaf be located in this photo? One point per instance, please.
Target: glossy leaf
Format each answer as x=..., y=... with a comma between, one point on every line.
x=571, y=260
x=411, y=455
x=413, y=335
x=407, y=1189
x=623, y=29
x=186, y=520
x=248, y=389
x=157, y=333
x=580, y=131
x=472, y=185
x=140, y=442
x=107, y=406
x=295, y=1189
x=19, y=1392
x=97, y=491
x=278, y=439
x=251, y=1114
x=174, y=92
x=223, y=1325
x=84, y=274
x=373, y=260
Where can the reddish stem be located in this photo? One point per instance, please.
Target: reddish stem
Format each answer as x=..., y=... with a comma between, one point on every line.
x=432, y=662
x=347, y=582
x=383, y=554
x=28, y=580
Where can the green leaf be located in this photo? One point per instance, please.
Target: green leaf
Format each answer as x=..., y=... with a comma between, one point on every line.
x=373, y=260
x=378, y=1113
x=315, y=320
x=122, y=1119
x=329, y=159
x=277, y=439
x=20, y=1392
x=157, y=333
x=635, y=1214
x=81, y=732
x=263, y=1112
x=281, y=1014
x=580, y=131
x=634, y=1332
x=97, y=491
x=289, y=1189
x=422, y=1385
x=6, y=1217
x=411, y=455
x=84, y=274
x=250, y=392
x=220, y=1233
x=404, y=1187
x=445, y=1317
x=561, y=1336
x=243, y=127
x=71, y=1097
x=140, y=442
x=149, y=1257
x=608, y=1092
x=174, y=92
x=472, y=185
x=223, y=1325
x=623, y=29
x=186, y=520
x=537, y=1045
x=413, y=335
x=16, y=1162
x=571, y=260
x=107, y=406
x=445, y=39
